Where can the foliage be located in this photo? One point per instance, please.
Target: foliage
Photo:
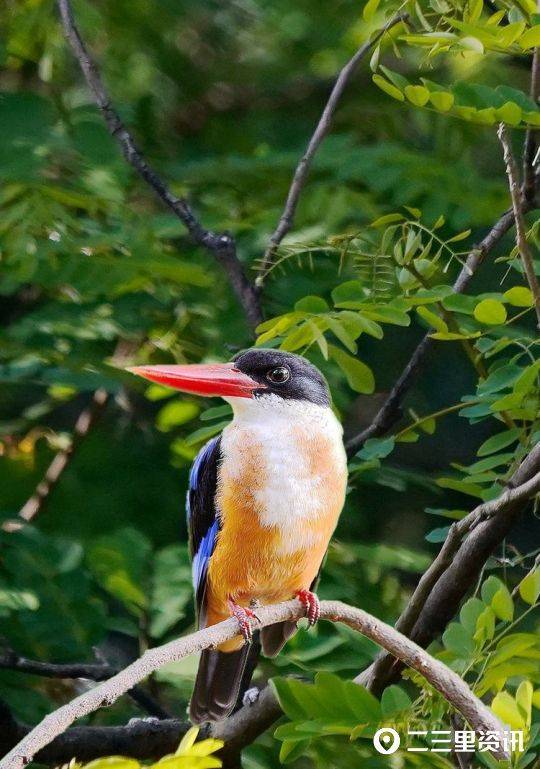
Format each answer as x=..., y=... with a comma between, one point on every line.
x=498, y=664
x=222, y=99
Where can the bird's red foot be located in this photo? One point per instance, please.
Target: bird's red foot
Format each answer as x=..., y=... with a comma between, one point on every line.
x=242, y=615
x=312, y=605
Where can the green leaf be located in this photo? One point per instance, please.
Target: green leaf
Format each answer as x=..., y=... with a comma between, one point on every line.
x=519, y=296
x=433, y=319
x=503, y=605
x=490, y=588
x=377, y=448
x=529, y=587
x=358, y=374
x=341, y=332
x=311, y=304
x=363, y=704
x=460, y=236
x=443, y=101
x=301, y=336
x=470, y=611
x=382, y=221
x=524, y=700
x=387, y=87
x=471, y=43
x=286, y=690
x=417, y=95
x=458, y=640
x=387, y=314
x=485, y=626
x=490, y=312
x=499, y=441
x=370, y=9
x=350, y=291
x=530, y=38
x=290, y=750
x=505, y=707
x=459, y=303
x=394, y=700
x=509, y=113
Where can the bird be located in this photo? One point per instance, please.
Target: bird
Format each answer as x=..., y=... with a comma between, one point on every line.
x=263, y=502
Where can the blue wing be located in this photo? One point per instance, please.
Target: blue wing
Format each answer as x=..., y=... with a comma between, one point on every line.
x=203, y=523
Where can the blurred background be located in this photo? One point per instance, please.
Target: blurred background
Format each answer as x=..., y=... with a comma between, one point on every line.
x=95, y=274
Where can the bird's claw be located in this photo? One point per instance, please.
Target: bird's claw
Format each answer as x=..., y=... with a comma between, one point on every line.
x=312, y=605
x=243, y=615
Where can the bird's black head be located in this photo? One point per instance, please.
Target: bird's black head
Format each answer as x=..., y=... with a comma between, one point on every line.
x=284, y=374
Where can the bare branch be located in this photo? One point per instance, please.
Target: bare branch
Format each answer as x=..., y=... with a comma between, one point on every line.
x=99, y=671
x=147, y=738
x=390, y=411
x=221, y=246
x=443, y=586
x=448, y=683
x=521, y=230
x=85, y=421
x=323, y=126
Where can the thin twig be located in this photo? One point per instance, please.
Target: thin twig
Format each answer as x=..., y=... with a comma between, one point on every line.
x=99, y=671
x=221, y=246
x=390, y=411
x=86, y=419
x=530, y=146
x=323, y=126
x=445, y=583
x=444, y=680
x=521, y=230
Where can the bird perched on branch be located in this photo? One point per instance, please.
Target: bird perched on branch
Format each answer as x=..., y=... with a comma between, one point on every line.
x=264, y=499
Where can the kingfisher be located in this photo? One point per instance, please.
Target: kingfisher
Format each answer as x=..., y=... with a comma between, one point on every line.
x=264, y=499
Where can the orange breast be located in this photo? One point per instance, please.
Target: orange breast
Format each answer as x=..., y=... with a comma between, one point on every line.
x=270, y=554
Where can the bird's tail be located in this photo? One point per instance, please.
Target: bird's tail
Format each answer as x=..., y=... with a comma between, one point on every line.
x=222, y=679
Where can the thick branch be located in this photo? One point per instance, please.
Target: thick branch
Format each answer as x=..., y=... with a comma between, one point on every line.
x=457, y=566
x=323, y=126
x=221, y=246
x=145, y=738
x=448, y=683
x=521, y=230
x=390, y=411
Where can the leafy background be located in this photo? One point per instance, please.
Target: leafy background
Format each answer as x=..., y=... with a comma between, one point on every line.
x=222, y=97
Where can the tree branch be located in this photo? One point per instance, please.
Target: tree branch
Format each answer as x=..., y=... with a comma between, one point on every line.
x=446, y=582
x=221, y=246
x=85, y=421
x=444, y=680
x=521, y=230
x=99, y=671
x=147, y=738
x=530, y=146
x=323, y=126
x=390, y=411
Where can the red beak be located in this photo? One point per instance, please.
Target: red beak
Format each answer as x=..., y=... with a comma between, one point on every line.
x=202, y=379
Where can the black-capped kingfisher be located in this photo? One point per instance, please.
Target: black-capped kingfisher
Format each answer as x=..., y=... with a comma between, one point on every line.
x=264, y=499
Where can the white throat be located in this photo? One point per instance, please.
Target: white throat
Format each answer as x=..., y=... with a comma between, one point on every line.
x=289, y=491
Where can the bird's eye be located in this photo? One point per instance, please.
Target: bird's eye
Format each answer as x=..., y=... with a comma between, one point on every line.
x=279, y=375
